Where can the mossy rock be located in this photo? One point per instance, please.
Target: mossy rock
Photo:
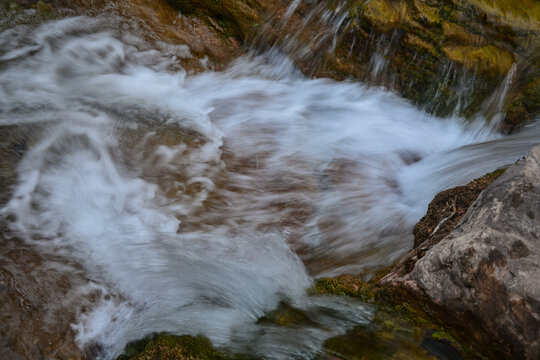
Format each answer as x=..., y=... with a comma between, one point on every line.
x=531, y=96
x=385, y=15
x=235, y=18
x=172, y=347
x=487, y=59
x=345, y=285
x=397, y=331
x=524, y=12
x=432, y=48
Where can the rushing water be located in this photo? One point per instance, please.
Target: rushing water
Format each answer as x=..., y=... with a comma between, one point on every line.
x=195, y=203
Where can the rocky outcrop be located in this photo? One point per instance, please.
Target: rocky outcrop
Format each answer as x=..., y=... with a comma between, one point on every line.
x=445, y=55
x=469, y=56
x=482, y=279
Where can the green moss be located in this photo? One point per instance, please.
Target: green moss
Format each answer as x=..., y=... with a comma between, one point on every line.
x=412, y=316
x=524, y=106
x=372, y=293
x=397, y=332
x=516, y=115
x=443, y=335
x=489, y=177
x=360, y=343
x=383, y=14
x=398, y=329
x=345, y=286
x=426, y=13
x=390, y=336
x=171, y=347
x=487, y=59
x=524, y=12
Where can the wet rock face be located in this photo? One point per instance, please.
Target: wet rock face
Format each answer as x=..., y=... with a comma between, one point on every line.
x=472, y=55
x=483, y=277
x=442, y=55
x=448, y=54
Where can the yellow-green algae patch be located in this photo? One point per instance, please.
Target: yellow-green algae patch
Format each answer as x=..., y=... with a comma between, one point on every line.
x=427, y=13
x=523, y=12
x=460, y=35
x=384, y=14
x=485, y=59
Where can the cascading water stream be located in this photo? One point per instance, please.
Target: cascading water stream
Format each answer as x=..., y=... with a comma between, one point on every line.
x=196, y=203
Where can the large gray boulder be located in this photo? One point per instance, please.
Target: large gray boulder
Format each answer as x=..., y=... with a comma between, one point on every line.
x=483, y=279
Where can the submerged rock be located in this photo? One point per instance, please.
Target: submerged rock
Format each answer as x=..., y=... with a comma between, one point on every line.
x=482, y=279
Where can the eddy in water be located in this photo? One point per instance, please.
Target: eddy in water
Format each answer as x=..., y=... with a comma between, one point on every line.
x=197, y=203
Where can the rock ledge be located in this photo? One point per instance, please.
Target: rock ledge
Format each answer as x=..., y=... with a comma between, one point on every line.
x=483, y=278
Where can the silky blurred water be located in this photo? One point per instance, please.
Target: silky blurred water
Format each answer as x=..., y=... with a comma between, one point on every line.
x=196, y=203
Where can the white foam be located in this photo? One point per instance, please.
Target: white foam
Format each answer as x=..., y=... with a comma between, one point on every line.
x=187, y=198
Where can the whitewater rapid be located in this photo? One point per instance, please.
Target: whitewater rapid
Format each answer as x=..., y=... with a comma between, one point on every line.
x=196, y=203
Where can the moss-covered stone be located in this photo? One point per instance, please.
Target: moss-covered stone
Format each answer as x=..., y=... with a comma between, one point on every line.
x=485, y=59
x=457, y=34
x=385, y=15
x=398, y=330
x=531, y=96
x=525, y=12
x=371, y=292
x=345, y=285
x=172, y=347
x=445, y=56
